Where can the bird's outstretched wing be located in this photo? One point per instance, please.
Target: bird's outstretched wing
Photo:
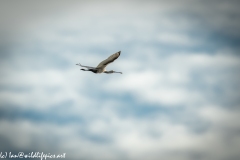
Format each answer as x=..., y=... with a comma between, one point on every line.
x=110, y=59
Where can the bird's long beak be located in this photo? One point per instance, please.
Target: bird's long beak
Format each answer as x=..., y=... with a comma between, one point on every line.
x=117, y=72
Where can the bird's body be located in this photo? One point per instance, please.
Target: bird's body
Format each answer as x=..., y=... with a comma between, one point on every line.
x=101, y=67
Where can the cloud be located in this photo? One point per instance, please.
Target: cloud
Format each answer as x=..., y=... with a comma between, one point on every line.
x=131, y=138
x=177, y=77
x=177, y=98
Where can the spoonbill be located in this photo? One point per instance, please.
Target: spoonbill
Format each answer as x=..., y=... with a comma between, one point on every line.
x=101, y=67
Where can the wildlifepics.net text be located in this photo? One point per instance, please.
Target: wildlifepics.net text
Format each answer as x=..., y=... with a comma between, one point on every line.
x=37, y=155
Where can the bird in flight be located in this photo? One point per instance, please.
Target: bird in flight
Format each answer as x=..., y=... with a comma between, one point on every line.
x=101, y=67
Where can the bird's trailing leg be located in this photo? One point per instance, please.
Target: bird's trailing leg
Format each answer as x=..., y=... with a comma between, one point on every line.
x=85, y=66
x=92, y=70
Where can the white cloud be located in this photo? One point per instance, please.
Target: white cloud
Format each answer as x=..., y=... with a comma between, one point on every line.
x=130, y=138
x=40, y=74
x=176, y=39
x=170, y=83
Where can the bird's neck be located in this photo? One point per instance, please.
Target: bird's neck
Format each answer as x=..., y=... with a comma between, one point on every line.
x=108, y=72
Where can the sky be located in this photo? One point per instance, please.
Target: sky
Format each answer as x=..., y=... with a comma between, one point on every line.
x=177, y=99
